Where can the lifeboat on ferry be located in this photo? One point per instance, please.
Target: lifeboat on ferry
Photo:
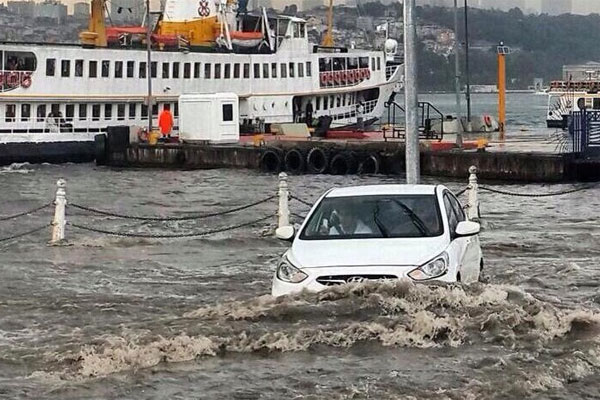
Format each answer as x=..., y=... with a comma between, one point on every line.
x=246, y=39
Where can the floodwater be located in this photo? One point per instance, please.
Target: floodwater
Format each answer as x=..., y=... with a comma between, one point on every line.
x=107, y=317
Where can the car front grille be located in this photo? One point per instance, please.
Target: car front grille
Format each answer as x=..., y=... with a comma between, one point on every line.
x=331, y=280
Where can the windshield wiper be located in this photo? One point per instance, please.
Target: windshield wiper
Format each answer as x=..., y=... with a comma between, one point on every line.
x=382, y=228
x=418, y=222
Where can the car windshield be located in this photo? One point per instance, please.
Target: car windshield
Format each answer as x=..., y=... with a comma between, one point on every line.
x=388, y=216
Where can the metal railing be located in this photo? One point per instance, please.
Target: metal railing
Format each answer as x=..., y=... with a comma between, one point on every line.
x=428, y=114
x=584, y=131
x=343, y=78
x=390, y=70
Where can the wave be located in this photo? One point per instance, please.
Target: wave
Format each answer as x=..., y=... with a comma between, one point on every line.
x=395, y=314
x=17, y=168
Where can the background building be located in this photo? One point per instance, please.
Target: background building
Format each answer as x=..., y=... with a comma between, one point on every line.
x=81, y=10
x=22, y=8
x=127, y=11
x=557, y=7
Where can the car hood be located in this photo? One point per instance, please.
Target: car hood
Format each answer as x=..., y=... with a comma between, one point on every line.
x=365, y=252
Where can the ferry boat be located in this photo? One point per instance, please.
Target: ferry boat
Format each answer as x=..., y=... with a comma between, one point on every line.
x=55, y=97
x=565, y=97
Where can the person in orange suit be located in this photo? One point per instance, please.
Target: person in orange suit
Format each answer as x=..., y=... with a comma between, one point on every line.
x=165, y=121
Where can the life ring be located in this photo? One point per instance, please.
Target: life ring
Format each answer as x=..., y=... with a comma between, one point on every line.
x=337, y=76
x=142, y=135
x=352, y=76
x=345, y=76
x=329, y=77
x=368, y=73
x=487, y=120
x=26, y=81
x=323, y=78
x=12, y=80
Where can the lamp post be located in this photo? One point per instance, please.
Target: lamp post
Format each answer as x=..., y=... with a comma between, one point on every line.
x=467, y=77
x=411, y=97
x=457, y=79
x=149, y=64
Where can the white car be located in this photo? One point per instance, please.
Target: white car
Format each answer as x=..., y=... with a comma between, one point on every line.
x=380, y=232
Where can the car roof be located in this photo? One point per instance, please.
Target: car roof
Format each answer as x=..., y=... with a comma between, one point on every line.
x=374, y=190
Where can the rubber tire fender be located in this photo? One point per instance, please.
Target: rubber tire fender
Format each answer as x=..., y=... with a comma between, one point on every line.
x=317, y=160
x=370, y=164
x=343, y=163
x=271, y=160
x=294, y=161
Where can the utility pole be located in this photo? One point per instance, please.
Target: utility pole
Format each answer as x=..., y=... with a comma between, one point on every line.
x=149, y=64
x=459, y=127
x=411, y=99
x=467, y=72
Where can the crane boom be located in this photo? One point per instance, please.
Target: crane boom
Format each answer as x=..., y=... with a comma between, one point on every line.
x=328, y=38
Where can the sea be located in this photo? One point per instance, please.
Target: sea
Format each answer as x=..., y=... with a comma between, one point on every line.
x=116, y=317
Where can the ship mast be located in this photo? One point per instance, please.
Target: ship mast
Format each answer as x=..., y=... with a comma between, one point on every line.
x=328, y=38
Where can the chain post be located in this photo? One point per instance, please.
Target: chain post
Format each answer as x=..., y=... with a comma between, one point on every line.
x=473, y=201
x=59, y=221
x=284, y=209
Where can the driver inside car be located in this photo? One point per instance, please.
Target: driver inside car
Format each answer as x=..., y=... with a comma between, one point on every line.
x=346, y=221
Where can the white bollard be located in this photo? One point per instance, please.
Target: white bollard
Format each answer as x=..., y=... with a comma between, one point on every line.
x=473, y=201
x=59, y=221
x=284, y=208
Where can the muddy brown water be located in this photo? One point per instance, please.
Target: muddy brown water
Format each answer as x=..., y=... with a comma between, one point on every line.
x=125, y=318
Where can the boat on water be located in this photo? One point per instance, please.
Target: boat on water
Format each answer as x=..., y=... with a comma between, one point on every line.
x=55, y=97
x=564, y=97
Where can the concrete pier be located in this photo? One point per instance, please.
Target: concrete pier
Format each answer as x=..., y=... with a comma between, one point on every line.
x=492, y=165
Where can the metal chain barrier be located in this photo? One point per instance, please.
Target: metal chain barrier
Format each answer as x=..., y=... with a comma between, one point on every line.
x=184, y=218
x=298, y=216
x=21, y=214
x=507, y=193
x=169, y=236
x=306, y=203
x=461, y=192
x=18, y=235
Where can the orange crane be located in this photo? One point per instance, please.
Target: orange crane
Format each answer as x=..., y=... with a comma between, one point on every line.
x=328, y=38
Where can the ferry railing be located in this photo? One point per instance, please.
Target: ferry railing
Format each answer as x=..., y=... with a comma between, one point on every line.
x=390, y=70
x=32, y=125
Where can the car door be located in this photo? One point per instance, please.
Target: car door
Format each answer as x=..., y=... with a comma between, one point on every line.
x=463, y=249
x=471, y=258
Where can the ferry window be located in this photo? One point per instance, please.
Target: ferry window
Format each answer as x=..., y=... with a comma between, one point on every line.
x=273, y=70
x=330, y=101
x=302, y=30
x=318, y=105
x=297, y=30
x=187, y=71
x=207, y=71
x=142, y=70
x=339, y=63
x=338, y=101
x=82, y=112
x=155, y=109
x=175, y=70
x=105, y=68
x=325, y=103
x=153, y=69
x=118, y=69
x=132, y=110
x=227, y=71
x=70, y=112
x=65, y=68
x=227, y=112
x=323, y=65
x=107, y=111
x=144, y=111
x=373, y=63
x=18, y=61
x=11, y=110
x=300, y=70
x=96, y=112
x=378, y=63
x=217, y=71
x=55, y=109
x=93, y=69
x=25, y=112
x=352, y=63
x=265, y=70
x=50, y=66
x=291, y=70
x=165, y=70
x=363, y=62
x=41, y=112
x=197, y=70
x=282, y=28
x=121, y=112
x=257, y=70
x=308, y=68
x=283, y=70
x=236, y=70
x=176, y=109
x=246, y=71
x=596, y=104
x=78, y=67
x=130, y=68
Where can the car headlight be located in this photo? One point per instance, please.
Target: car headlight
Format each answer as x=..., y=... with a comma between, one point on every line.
x=288, y=273
x=432, y=269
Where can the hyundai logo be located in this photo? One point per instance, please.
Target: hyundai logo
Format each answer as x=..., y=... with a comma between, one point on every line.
x=355, y=279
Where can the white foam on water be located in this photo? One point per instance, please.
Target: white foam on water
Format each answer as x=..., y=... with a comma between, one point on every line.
x=16, y=168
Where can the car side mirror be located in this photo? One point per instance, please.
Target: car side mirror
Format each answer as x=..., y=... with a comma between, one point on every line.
x=285, y=233
x=467, y=228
